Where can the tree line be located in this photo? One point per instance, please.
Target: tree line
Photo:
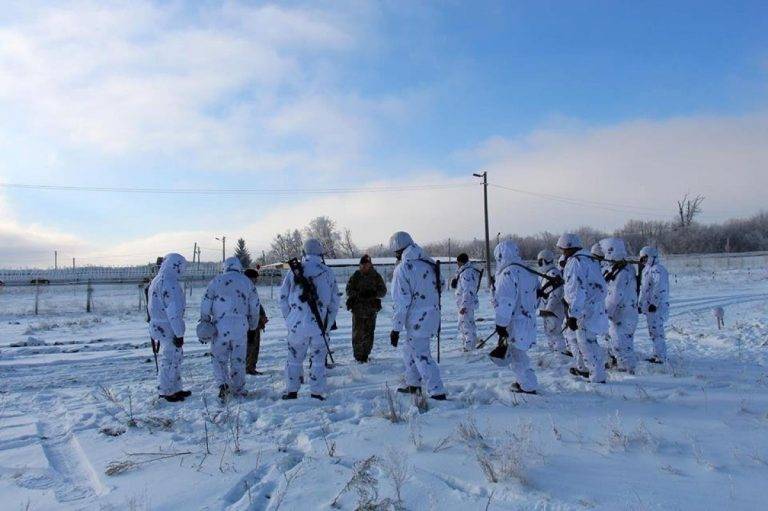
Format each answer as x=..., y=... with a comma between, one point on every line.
x=681, y=235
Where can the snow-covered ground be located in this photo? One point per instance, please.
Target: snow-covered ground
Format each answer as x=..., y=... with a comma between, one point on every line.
x=81, y=427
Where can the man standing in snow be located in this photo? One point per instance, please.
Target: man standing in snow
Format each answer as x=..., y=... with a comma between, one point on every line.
x=365, y=290
x=416, y=310
x=231, y=304
x=584, y=293
x=620, y=305
x=254, y=336
x=551, y=308
x=467, y=284
x=515, y=302
x=304, y=332
x=654, y=301
x=166, y=304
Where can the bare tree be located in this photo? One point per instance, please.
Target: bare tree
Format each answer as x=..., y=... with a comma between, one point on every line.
x=688, y=209
x=286, y=245
x=324, y=229
x=347, y=247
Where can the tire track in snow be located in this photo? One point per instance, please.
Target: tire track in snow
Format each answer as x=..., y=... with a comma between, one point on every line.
x=75, y=477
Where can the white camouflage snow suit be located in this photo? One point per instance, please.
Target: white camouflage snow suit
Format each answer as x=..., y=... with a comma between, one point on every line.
x=416, y=311
x=231, y=303
x=552, y=309
x=514, y=303
x=304, y=334
x=654, y=291
x=166, y=321
x=467, y=285
x=620, y=304
x=584, y=293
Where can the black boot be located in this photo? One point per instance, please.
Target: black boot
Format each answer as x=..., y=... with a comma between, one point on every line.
x=223, y=391
x=576, y=372
x=439, y=397
x=289, y=395
x=654, y=360
x=409, y=389
x=184, y=393
x=515, y=387
x=317, y=396
x=173, y=398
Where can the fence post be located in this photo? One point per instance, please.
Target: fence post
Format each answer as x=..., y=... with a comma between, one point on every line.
x=37, y=296
x=89, y=294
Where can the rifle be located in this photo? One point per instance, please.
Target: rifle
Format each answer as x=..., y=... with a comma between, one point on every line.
x=438, y=284
x=309, y=296
x=155, y=350
x=482, y=343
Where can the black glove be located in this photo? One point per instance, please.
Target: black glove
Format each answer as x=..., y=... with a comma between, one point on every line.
x=178, y=341
x=394, y=337
x=540, y=293
x=652, y=308
x=572, y=323
x=454, y=283
x=502, y=331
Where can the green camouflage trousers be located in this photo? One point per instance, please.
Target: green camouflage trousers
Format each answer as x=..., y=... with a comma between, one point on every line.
x=252, y=350
x=363, y=327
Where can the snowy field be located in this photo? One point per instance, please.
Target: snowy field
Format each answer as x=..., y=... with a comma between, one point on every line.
x=81, y=427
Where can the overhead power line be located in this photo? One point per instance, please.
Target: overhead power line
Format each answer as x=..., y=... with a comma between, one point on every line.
x=238, y=191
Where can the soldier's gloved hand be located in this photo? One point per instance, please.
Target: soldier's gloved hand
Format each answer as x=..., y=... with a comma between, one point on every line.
x=394, y=338
x=652, y=308
x=502, y=332
x=540, y=293
x=178, y=341
x=572, y=323
x=454, y=283
x=463, y=311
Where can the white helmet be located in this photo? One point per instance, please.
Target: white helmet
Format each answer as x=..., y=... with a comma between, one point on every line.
x=649, y=252
x=547, y=256
x=597, y=250
x=400, y=241
x=569, y=240
x=232, y=264
x=312, y=246
x=614, y=249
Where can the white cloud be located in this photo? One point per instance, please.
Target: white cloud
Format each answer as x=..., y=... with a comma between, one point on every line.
x=211, y=86
x=642, y=167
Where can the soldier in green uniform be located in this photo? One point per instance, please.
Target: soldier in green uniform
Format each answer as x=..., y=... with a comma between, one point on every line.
x=254, y=336
x=365, y=290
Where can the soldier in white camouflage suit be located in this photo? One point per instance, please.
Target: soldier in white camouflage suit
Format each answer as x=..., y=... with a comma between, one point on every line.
x=620, y=305
x=166, y=306
x=231, y=304
x=585, y=298
x=551, y=307
x=467, y=283
x=654, y=301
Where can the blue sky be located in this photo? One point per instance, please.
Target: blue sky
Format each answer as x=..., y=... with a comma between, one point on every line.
x=628, y=102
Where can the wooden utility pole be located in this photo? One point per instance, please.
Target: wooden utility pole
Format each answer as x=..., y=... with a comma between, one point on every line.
x=484, y=175
x=55, y=259
x=223, y=240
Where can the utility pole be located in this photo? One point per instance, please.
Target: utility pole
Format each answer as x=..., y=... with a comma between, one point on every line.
x=223, y=240
x=194, y=253
x=73, y=263
x=484, y=175
x=55, y=259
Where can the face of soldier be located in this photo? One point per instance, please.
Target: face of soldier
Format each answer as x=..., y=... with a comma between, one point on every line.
x=568, y=252
x=399, y=254
x=366, y=267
